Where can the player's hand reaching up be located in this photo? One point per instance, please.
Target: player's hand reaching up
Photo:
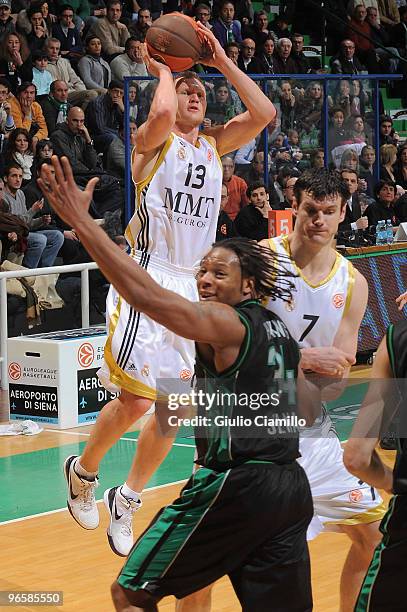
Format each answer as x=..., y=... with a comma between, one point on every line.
x=65, y=197
x=216, y=56
x=402, y=300
x=328, y=361
x=154, y=68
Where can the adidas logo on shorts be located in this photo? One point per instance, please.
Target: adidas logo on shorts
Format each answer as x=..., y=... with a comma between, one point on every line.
x=132, y=367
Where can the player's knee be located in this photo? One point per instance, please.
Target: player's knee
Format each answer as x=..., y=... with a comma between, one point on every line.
x=195, y=601
x=135, y=406
x=122, y=598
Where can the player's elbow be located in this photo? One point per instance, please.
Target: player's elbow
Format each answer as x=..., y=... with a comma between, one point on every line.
x=355, y=458
x=266, y=113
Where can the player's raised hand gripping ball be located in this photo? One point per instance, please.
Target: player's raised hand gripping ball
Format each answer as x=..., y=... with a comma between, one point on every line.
x=177, y=41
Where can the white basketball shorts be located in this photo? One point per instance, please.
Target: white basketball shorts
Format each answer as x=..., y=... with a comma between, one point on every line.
x=139, y=351
x=339, y=498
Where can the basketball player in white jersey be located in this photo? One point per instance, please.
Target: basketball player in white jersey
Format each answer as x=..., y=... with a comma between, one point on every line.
x=178, y=177
x=324, y=317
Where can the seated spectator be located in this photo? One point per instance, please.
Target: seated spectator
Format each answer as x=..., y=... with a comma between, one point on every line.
x=134, y=94
x=55, y=106
x=94, y=70
x=237, y=187
x=256, y=172
x=398, y=32
x=364, y=47
x=71, y=250
x=225, y=227
x=43, y=244
x=42, y=78
x=359, y=131
x=389, y=14
x=280, y=25
x=388, y=158
x=290, y=102
x=6, y=118
x=232, y=51
x=7, y=24
x=226, y=28
x=252, y=220
x=401, y=167
x=68, y=34
x=310, y=110
x=337, y=132
x=39, y=32
x=302, y=62
x=352, y=4
x=388, y=135
x=400, y=205
x=266, y=57
x=13, y=230
x=20, y=150
x=138, y=29
x=358, y=97
x=317, y=158
x=353, y=215
x=280, y=151
x=243, y=158
x=15, y=61
x=61, y=70
x=277, y=195
x=288, y=192
x=111, y=32
x=345, y=61
x=43, y=151
x=367, y=168
x=381, y=36
x=244, y=11
x=105, y=115
x=129, y=63
x=283, y=63
x=349, y=160
x=247, y=62
x=223, y=107
x=81, y=9
x=24, y=24
x=115, y=154
x=260, y=31
x=73, y=140
x=383, y=208
x=203, y=15
x=341, y=98
x=28, y=114
x=294, y=144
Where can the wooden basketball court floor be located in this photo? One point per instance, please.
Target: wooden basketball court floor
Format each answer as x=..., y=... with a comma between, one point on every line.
x=43, y=549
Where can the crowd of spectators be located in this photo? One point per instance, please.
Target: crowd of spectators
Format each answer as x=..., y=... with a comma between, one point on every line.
x=62, y=66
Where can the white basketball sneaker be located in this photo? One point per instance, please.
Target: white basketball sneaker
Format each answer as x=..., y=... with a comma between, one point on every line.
x=121, y=510
x=81, y=500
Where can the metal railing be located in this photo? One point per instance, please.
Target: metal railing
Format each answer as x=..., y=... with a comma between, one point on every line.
x=82, y=268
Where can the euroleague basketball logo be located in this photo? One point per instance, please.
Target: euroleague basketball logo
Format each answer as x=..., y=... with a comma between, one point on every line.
x=209, y=155
x=355, y=496
x=162, y=42
x=338, y=300
x=14, y=370
x=86, y=354
x=185, y=374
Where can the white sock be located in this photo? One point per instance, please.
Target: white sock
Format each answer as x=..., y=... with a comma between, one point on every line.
x=82, y=472
x=127, y=492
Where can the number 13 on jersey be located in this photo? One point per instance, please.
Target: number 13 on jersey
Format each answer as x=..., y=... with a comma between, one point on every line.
x=280, y=222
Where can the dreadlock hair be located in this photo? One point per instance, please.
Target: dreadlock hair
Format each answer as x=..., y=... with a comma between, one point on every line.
x=268, y=269
x=321, y=183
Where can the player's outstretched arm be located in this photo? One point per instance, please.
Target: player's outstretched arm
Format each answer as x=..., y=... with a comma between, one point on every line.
x=260, y=111
x=163, y=111
x=402, y=300
x=214, y=324
x=360, y=456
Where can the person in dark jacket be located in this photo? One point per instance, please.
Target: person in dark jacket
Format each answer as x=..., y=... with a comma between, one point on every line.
x=252, y=221
x=104, y=115
x=68, y=34
x=55, y=106
x=225, y=228
x=383, y=209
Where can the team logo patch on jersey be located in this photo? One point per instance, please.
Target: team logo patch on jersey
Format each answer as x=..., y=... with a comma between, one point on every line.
x=145, y=370
x=355, y=496
x=338, y=300
x=210, y=155
x=185, y=374
x=182, y=154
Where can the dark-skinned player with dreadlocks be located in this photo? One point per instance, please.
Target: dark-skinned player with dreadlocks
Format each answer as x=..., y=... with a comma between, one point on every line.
x=245, y=512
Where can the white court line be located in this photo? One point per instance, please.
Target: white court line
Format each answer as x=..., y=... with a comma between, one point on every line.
x=26, y=518
x=76, y=433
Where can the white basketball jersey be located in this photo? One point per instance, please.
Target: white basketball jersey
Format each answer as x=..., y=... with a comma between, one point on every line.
x=316, y=310
x=177, y=205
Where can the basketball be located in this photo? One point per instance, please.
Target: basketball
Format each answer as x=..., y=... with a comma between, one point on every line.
x=176, y=41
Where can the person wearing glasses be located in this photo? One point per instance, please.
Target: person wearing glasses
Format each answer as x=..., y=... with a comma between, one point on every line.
x=247, y=61
x=203, y=14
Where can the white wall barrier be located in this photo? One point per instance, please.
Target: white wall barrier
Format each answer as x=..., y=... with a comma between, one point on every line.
x=82, y=268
